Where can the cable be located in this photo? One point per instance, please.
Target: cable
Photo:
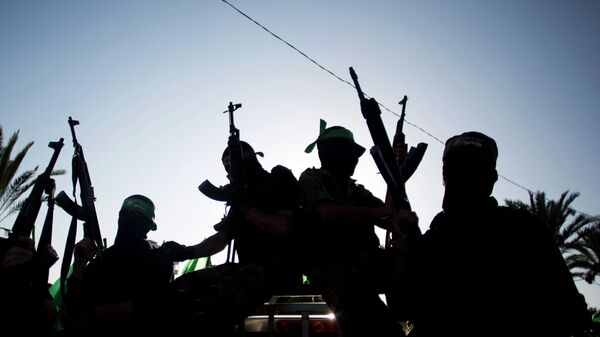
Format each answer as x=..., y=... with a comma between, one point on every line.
x=367, y=96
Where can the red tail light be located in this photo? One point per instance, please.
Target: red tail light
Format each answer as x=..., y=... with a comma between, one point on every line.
x=322, y=326
x=316, y=327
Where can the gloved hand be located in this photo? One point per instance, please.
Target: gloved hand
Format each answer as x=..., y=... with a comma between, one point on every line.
x=176, y=251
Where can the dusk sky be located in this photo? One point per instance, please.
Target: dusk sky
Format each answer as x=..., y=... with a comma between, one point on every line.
x=149, y=81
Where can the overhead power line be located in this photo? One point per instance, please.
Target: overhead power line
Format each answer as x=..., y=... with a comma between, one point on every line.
x=352, y=85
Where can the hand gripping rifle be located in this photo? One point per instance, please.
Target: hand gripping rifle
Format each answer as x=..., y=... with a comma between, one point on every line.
x=237, y=189
x=86, y=212
x=45, y=256
x=388, y=163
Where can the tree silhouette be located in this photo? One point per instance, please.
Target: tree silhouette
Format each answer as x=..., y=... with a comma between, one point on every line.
x=565, y=224
x=577, y=235
x=12, y=186
x=584, y=262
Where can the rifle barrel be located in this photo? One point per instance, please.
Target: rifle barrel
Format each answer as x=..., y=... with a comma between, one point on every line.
x=361, y=95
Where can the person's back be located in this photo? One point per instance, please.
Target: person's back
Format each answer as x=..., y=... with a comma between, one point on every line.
x=497, y=272
x=482, y=269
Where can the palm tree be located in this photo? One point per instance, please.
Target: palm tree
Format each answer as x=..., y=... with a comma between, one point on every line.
x=555, y=213
x=12, y=187
x=584, y=262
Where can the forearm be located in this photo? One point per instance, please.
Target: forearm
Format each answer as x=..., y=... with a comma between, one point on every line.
x=275, y=223
x=327, y=212
x=210, y=246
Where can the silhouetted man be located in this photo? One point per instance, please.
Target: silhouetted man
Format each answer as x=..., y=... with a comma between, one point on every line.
x=122, y=290
x=485, y=270
x=211, y=301
x=348, y=266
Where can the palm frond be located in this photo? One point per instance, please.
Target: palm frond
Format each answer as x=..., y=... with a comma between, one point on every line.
x=576, y=235
x=5, y=213
x=59, y=172
x=13, y=165
x=19, y=186
x=517, y=205
x=8, y=167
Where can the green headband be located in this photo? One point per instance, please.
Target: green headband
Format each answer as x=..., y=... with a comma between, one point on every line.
x=327, y=133
x=139, y=204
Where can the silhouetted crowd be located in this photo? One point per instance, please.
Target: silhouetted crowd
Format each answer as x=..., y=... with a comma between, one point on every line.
x=479, y=270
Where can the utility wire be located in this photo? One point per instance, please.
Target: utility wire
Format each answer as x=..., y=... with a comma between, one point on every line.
x=367, y=96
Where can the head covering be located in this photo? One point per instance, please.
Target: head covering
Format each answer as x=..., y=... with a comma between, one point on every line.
x=334, y=132
x=472, y=145
x=247, y=151
x=138, y=205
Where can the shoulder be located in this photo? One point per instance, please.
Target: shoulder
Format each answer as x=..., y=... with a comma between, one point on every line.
x=438, y=222
x=527, y=223
x=360, y=188
x=519, y=216
x=281, y=170
x=311, y=171
x=282, y=173
x=314, y=174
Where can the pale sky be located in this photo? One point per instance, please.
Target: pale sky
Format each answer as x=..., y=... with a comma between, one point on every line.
x=149, y=80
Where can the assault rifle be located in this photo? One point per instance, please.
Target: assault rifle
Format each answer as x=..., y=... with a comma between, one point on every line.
x=86, y=212
x=25, y=221
x=394, y=168
x=382, y=151
x=236, y=171
x=235, y=168
x=45, y=255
